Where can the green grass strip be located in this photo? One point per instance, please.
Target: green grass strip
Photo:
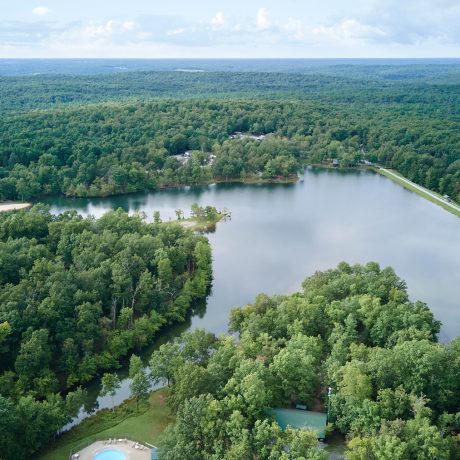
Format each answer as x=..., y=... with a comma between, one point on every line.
x=425, y=193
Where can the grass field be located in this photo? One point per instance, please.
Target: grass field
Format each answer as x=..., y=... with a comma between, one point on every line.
x=144, y=426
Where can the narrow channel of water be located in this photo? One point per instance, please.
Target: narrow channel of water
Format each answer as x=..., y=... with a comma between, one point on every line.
x=279, y=234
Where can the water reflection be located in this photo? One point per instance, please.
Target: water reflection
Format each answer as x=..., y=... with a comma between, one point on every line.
x=94, y=402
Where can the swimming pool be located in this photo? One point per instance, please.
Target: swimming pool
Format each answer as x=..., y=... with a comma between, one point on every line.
x=110, y=454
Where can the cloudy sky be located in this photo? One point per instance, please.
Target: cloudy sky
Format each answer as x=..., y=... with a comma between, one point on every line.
x=229, y=29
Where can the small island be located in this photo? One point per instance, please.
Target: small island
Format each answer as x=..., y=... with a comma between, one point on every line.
x=202, y=218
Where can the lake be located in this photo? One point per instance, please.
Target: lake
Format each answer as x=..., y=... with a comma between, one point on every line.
x=280, y=234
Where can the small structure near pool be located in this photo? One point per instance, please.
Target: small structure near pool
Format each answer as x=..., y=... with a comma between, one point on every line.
x=298, y=418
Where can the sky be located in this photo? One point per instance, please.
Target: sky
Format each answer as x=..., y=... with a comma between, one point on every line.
x=229, y=29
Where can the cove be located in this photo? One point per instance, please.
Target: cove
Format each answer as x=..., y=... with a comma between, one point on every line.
x=280, y=234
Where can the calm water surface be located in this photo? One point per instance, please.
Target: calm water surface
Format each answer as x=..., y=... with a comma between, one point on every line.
x=279, y=234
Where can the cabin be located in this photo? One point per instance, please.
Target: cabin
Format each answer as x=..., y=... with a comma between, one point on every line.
x=335, y=163
x=183, y=158
x=301, y=418
x=240, y=135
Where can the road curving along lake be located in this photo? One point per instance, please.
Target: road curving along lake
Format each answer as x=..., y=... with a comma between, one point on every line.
x=279, y=234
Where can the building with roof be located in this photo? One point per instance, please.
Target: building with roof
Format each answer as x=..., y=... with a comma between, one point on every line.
x=301, y=419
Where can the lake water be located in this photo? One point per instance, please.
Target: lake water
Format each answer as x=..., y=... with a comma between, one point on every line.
x=280, y=234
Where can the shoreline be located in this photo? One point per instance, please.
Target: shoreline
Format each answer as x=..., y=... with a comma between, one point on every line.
x=395, y=176
x=13, y=206
x=248, y=181
x=423, y=192
x=257, y=180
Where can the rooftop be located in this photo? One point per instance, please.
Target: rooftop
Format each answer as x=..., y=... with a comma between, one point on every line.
x=295, y=418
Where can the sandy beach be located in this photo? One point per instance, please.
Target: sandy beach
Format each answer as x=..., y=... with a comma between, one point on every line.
x=11, y=206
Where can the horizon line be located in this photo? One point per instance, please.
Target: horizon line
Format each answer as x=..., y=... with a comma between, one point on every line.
x=229, y=58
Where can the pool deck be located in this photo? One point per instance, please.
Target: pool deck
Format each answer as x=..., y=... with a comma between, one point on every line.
x=125, y=446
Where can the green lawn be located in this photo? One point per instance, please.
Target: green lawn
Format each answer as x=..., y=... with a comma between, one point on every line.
x=145, y=425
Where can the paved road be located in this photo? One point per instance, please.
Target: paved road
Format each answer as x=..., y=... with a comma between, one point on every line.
x=423, y=189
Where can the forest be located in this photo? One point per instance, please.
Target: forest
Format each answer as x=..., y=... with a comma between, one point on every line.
x=76, y=296
x=435, y=83
x=395, y=390
x=114, y=148
x=102, y=135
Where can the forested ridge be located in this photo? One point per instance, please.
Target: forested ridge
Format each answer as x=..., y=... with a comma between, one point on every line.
x=395, y=390
x=120, y=147
x=345, y=83
x=77, y=295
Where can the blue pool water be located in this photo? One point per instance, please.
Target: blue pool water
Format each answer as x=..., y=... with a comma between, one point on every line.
x=110, y=454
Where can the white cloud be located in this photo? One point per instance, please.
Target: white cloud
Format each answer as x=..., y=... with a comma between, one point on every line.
x=129, y=25
x=445, y=3
x=414, y=22
x=353, y=29
x=176, y=31
x=96, y=31
x=382, y=27
x=41, y=10
x=295, y=29
x=348, y=29
x=218, y=21
x=94, y=34
x=263, y=20
x=144, y=36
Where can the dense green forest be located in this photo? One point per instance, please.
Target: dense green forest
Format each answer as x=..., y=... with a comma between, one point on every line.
x=411, y=83
x=99, y=135
x=121, y=147
x=395, y=390
x=76, y=295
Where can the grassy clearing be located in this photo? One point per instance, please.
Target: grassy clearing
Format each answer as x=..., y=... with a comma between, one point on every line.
x=202, y=225
x=399, y=179
x=144, y=425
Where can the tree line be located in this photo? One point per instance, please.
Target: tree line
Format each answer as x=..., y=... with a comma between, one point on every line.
x=391, y=83
x=395, y=390
x=123, y=147
x=77, y=295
